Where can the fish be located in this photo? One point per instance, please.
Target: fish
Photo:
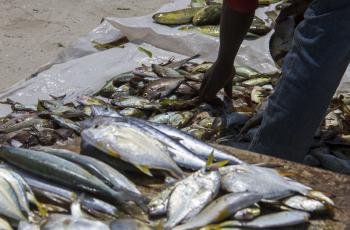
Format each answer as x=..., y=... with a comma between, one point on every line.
x=259, y=29
x=66, y=123
x=202, y=68
x=264, y=181
x=161, y=88
x=279, y=219
x=27, y=123
x=175, y=119
x=257, y=81
x=64, y=172
x=61, y=195
x=176, y=17
x=8, y=202
x=113, y=44
x=305, y=204
x=111, y=85
x=191, y=195
x=198, y=3
x=258, y=94
x=104, y=172
x=16, y=106
x=123, y=90
x=88, y=101
x=166, y=72
x=129, y=224
x=178, y=105
x=247, y=72
x=23, y=193
x=209, y=15
x=199, y=148
x=104, y=111
x=181, y=155
x=179, y=64
x=247, y=213
x=159, y=204
x=220, y=209
x=128, y=142
x=134, y=102
x=132, y=112
x=4, y=225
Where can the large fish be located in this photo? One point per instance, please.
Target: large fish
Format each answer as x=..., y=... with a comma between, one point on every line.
x=106, y=173
x=177, y=17
x=279, y=219
x=129, y=143
x=191, y=195
x=220, y=209
x=62, y=171
x=264, y=181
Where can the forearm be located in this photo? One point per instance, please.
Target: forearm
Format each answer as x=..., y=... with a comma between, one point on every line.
x=233, y=28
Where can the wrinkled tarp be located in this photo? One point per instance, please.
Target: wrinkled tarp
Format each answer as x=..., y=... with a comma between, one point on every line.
x=82, y=69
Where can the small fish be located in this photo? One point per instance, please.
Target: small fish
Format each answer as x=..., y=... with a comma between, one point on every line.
x=303, y=203
x=247, y=213
x=27, y=123
x=258, y=94
x=202, y=68
x=220, y=209
x=66, y=123
x=16, y=106
x=110, y=86
x=209, y=15
x=279, y=219
x=177, y=17
x=161, y=88
x=89, y=101
x=191, y=195
x=257, y=81
x=164, y=71
x=129, y=224
x=123, y=90
x=175, y=119
x=259, y=29
x=132, y=112
x=130, y=143
x=247, y=72
x=264, y=181
x=178, y=105
x=64, y=172
x=134, y=102
x=159, y=204
x=114, y=44
x=104, y=111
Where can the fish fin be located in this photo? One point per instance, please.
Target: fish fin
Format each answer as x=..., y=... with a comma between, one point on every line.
x=43, y=212
x=144, y=169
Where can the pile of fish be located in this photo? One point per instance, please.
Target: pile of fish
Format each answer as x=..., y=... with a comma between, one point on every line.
x=205, y=18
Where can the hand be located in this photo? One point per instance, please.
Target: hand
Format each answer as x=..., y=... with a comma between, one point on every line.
x=296, y=7
x=216, y=78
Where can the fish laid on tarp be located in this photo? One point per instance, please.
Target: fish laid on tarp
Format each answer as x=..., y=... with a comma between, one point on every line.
x=63, y=196
x=129, y=224
x=129, y=143
x=209, y=15
x=132, y=112
x=191, y=195
x=279, y=219
x=66, y=123
x=165, y=71
x=161, y=88
x=264, y=181
x=134, y=102
x=27, y=123
x=175, y=119
x=106, y=173
x=62, y=171
x=176, y=17
x=220, y=209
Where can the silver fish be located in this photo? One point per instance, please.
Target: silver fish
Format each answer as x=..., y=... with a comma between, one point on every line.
x=175, y=119
x=27, y=123
x=220, y=209
x=129, y=143
x=134, y=102
x=178, y=152
x=303, y=203
x=66, y=123
x=106, y=173
x=129, y=224
x=247, y=213
x=279, y=219
x=62, y=171
x=164, y=71
x=159, y=204
x=191, y=195
x=264, y=181
x=66, y=222
x=4, y=225
x=9, y=205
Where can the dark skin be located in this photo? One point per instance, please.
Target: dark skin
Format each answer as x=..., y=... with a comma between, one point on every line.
x=233, y=28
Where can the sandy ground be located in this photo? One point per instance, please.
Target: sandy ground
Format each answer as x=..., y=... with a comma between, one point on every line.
x=34, y=31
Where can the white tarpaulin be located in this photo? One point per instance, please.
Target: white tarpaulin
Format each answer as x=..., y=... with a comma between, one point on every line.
x=81, y=68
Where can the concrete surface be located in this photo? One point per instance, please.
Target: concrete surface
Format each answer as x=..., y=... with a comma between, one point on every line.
x=34, y=31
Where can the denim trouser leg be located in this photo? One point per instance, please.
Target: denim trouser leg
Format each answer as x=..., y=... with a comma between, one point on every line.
x=312, y=71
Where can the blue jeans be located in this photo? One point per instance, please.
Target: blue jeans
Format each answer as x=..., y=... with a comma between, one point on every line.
x=312, y=71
